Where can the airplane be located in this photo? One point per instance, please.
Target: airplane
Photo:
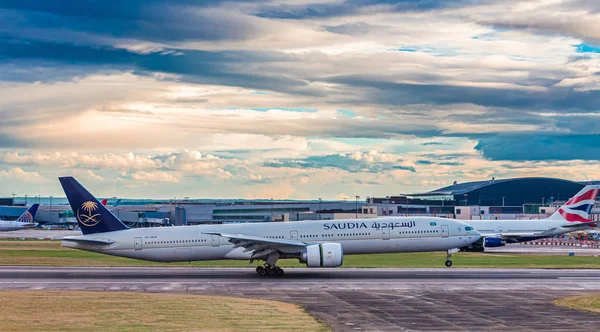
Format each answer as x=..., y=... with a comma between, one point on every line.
x=24, y=221
x=315, y=243
x=572, y=216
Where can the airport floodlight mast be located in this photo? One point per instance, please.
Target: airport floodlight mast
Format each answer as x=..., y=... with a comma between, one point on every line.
x=357, y=197
x=320, y=200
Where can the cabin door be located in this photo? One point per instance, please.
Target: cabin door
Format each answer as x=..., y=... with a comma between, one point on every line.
x=137, y=243
x=385, y=233
x=445, y=232
x=214, y=240
x=294, y=235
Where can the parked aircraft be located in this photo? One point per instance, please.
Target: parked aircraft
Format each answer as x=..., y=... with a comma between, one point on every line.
x=315, y=243
x=24, y=221
x=572, y=216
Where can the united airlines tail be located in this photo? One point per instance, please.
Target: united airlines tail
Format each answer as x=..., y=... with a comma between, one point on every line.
x=29, y=215
x=92, y=216
x=578, y=208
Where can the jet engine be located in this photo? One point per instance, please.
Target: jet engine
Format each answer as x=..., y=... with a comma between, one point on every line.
x=491, y=242
x=323, y=255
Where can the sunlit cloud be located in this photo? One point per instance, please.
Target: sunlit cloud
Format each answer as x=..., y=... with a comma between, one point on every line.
x=296, y=99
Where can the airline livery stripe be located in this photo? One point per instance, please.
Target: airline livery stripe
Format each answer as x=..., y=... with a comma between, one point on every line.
x=591, y=195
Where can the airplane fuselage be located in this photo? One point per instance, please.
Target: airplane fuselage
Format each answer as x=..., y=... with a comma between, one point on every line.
x=526, y=230
x=357, y=236
x=6, y=226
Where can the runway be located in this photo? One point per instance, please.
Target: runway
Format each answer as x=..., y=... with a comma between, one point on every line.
x=360, y=299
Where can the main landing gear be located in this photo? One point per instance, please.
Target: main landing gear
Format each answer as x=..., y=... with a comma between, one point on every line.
x=449, y=255
x=269, y=271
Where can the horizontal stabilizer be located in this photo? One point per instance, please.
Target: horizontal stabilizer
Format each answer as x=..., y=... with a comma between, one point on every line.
x=88, y=241
x=590, y=223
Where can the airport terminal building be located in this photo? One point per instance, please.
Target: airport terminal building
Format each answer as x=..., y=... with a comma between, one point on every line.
x=516, y=198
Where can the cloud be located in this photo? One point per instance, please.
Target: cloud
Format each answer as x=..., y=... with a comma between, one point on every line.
x=88, y=175
x=302, y=99
x=19, y=174
x=157, y=176
x=371, y=162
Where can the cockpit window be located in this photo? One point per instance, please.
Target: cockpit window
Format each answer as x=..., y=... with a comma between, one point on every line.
x=469, y=228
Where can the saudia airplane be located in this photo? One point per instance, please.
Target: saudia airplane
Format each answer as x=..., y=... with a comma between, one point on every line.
x=24, y=221
x=315, y=243
x=572, y=216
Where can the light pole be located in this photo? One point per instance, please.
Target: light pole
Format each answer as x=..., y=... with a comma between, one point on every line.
x=357, y=197
x=25, y=200
x=271, y=208
x=50, y=202
x=502, y=200
x=13, y=202
x=320, y=199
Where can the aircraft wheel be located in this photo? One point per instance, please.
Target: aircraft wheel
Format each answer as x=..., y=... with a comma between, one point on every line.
x=448, y=263
x=271, y=271
x=279, y=271
x=261, y=271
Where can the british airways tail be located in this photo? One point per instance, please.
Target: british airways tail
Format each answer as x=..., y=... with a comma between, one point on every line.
x=579, y=207
x=29, y=215
x=92, y=216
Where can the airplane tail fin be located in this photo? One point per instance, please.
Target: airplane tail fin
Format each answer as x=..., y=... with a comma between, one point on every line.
x=92, y=216
x=104, y=201
x=579, y=207
x=29, y=215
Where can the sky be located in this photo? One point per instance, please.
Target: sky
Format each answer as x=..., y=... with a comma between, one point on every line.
x=295, y=99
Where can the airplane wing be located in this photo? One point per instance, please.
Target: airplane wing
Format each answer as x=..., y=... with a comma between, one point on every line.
x=88, y=241
x=261, y=247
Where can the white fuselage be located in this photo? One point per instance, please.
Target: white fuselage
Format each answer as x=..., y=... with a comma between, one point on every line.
x=6, y=226
x=357, y=236
x=524, y=228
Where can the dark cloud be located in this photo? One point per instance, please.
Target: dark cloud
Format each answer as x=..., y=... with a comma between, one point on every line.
x=405, y=168
x=235, y=68
x=158, y=21
x=385, y=92
x=540, y=147
x=342, y=162
x=450, y=163
x=353, y=7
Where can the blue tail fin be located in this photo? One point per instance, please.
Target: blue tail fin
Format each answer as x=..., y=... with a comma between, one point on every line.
x=29, y=215
x=92, y=216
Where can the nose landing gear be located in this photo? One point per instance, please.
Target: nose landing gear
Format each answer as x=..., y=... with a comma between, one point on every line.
x=448, y=256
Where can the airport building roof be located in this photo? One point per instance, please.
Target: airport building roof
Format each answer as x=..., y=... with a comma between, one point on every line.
x=465, y=188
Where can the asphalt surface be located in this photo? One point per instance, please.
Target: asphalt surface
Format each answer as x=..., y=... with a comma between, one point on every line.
x=361, y=299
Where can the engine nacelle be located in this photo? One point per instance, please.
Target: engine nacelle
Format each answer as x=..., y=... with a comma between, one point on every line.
x=323, y=255
x=491, y=242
